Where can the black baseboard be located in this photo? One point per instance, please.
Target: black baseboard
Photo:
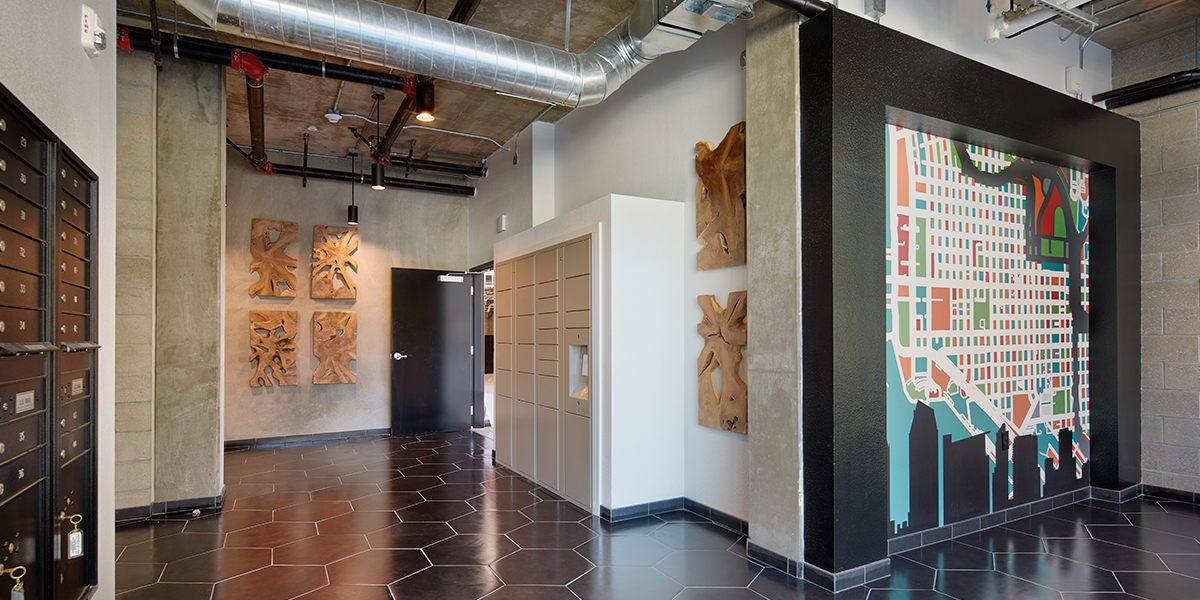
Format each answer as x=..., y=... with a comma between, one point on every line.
x=285, y=441
x=723, y=519
x=156, y=509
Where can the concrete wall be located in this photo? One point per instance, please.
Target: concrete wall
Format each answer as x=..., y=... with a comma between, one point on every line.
x=1170, y=263
x=188, y=281
x=398, y=228
x=78, y=102
x=136, y=100
x=524, y=190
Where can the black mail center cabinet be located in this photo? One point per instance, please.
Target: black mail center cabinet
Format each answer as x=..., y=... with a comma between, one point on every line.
x=47, y=362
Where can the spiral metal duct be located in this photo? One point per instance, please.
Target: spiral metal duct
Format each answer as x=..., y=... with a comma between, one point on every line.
x=416, y=43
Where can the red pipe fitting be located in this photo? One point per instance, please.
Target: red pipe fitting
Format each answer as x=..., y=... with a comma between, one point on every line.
x=248, y=64
x=123, y=39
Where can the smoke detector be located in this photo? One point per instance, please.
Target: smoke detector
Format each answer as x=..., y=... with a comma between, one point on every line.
x=333, y=115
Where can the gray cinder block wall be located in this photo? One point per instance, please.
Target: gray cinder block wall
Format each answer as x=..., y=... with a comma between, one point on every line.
x=1170, y=261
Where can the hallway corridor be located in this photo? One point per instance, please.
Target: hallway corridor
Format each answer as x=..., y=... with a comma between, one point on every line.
x=432, y=518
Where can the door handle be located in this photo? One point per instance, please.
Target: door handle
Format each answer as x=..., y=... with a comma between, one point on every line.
x=398, y=356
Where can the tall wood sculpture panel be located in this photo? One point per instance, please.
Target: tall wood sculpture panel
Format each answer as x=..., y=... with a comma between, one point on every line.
x=721, y=201
x=335, y=343
x=334, y=267
x=724, y=333
x=273, y=347
x=270, y=260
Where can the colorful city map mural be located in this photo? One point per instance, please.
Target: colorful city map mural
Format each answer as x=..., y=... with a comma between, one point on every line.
x=987, y=330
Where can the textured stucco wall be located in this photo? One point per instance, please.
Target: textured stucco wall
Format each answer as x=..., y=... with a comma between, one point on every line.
x=1170, y=263
x=76, y=97
x=136, y=92
x=397, y=228
x=189, y=217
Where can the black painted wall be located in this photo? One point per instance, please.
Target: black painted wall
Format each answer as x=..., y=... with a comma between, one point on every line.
x=855, y=76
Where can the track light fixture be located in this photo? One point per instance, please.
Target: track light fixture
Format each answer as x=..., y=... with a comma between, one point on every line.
x=377, y=177
x=352, y=210
x=424, y=98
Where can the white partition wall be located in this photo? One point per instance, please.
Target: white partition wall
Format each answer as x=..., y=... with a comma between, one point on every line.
x=605, y=281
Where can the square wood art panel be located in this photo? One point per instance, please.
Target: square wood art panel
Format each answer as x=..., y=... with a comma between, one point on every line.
x=273, y=347
x=334, y=268
x=335, y=344
x=270, y=260
x=724, y=333
x=721, y=201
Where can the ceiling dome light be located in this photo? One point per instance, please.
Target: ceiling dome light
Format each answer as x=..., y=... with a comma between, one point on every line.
x=377, y=177
x=425, y=117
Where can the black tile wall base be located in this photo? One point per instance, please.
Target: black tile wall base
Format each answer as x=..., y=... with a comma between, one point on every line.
x=137, y=513
x=911, y=541
x=285, y=441
x=774, y=559
x=833, y=582
x=723, y=519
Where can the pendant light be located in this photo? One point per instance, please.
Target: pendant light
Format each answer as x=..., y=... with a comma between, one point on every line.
x=352, y=210
x=424, y=99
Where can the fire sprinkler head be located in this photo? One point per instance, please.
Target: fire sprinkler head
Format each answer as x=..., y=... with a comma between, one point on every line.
x=333, y=115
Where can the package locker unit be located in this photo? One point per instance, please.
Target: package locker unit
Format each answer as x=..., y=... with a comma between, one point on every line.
x=47, y=362
x=542, y=333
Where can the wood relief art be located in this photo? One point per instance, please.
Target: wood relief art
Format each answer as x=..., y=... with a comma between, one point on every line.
x=334, y=268
x=273, y=347
x=335, y=343
x=721, y=201
x=270, y=259
x=724, y=333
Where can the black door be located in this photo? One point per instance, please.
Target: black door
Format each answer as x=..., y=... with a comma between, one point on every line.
x=434, y=350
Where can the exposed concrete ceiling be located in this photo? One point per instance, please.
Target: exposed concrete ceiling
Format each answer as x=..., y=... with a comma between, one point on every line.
x=1121, y=25
x=294, y=102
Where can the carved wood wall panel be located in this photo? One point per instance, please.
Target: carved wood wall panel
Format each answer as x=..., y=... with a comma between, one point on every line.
x=724, y=333
x=335, y=343
x=721, y=201
x=273, y=347
x=270, y=260
x=334, y=268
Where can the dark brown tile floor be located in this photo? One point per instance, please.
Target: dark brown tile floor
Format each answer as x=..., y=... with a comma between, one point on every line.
x=431, y=518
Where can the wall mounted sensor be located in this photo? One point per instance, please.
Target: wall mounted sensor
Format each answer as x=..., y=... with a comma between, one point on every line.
x=501, y=223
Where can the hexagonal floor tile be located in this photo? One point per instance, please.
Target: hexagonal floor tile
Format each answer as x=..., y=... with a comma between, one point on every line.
x=454, y=491
x=643, y=583
x=271, y=583
x=555, y=511
x=320, y=550
x=551, y=535
x=544, y=567
x=345, y=492
x=131, y=576
x=624, y=551
x=144, y=531
x=447, y=583
x=695, y=536
x=475, y=549
x=350, y=592
x=410, y=535
x=709, y=568
x=371, y=476
x=270, y=535
x=435, y=511
x=228, y=521
x=376, y=567
x=217, y=565
x=416, y=483
x=503, y=500
x=431, y=469
x=172, y=547
x=273, y=476
x=358, y=522
x=533, y=592
x=489, y=521
x=312, y=511
x=272, y=501
x=387, y=501
x=307, y=484
x=174, y=591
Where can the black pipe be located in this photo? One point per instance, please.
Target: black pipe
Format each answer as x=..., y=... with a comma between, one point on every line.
x=416, y=164
x=1149, y=90
x=218, y=53
x=254, y=103
x=808, y=8
x=412, y=184
x=427, y=186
